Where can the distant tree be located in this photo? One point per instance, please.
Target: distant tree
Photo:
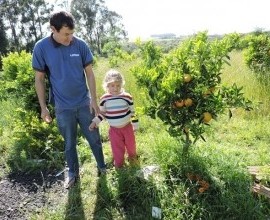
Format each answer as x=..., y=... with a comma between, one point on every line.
x=26, y=20
x=10, y=13
x=3, y=39
x=33, y=18
x=164, y=36
x=96, y=24
x=3, y=42
x=258, y=31
x=65, y=4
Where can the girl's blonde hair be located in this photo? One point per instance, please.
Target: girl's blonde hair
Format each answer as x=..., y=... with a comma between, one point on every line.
x=113, y=76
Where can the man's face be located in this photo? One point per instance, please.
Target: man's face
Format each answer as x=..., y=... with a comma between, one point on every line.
x=63, y=36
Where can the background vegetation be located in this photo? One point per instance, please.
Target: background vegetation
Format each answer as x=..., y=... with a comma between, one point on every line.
x=212, y=182
x=25, y=22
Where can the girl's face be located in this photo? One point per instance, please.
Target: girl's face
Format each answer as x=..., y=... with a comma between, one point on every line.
x=114, y=88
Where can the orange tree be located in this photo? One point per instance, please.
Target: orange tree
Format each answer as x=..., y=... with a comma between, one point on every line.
x=184, y=86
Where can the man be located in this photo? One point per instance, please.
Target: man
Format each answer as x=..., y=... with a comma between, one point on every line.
x=68, y=62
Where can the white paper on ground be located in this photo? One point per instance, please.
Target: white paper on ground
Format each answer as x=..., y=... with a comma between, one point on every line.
x=156, y=212
x=147, y=171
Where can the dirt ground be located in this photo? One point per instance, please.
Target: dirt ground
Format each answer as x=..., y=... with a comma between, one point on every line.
x=23, y=194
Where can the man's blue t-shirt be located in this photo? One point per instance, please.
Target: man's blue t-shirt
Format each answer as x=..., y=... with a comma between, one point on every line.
x=66, y=70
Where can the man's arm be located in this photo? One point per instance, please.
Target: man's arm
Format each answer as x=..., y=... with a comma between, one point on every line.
x=91, y=81
x=41, y=93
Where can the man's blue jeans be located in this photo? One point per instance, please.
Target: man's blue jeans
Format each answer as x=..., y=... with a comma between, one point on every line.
x=68, y=121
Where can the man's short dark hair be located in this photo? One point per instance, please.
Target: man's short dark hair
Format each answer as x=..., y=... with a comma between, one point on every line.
x=62, y=19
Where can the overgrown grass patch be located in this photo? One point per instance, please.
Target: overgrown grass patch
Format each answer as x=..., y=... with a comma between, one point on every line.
x=231, y=145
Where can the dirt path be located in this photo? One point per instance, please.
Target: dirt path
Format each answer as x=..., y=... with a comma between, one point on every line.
x=23, y=194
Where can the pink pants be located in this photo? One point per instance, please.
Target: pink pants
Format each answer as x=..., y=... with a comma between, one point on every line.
x=122, y=140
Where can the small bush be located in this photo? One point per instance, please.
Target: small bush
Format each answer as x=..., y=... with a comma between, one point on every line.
x=257, y=55
x=32, y=140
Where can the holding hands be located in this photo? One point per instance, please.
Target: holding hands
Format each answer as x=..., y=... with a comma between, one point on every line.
x=92, y=126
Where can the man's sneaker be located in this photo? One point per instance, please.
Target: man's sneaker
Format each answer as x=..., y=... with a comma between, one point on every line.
x=69, y=182
x=102, y=171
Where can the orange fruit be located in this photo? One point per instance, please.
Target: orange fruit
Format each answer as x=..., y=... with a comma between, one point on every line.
x=201, y=189
x=191, y=176
x=208, y=92
x=187, y=78
x=204, y=184
x=188, y=102
x=179, y=103
x=198, y=177
x=212, y=89
x=207, y=117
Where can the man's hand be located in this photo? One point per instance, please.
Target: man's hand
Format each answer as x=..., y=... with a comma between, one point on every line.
x=45, y=115
x=94, y=106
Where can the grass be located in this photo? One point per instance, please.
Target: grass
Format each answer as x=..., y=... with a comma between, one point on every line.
x=231, y=145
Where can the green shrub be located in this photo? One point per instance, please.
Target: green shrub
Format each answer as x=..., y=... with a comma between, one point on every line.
x=18, y=80
x=32, y=140
x=257, y=54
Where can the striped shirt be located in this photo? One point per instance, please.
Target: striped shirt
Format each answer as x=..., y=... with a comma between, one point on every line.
x=117, y=110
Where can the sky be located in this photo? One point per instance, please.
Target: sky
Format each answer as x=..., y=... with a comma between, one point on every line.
x=143, y=18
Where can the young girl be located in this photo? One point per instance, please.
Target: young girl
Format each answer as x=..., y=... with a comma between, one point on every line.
x=117, y=108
